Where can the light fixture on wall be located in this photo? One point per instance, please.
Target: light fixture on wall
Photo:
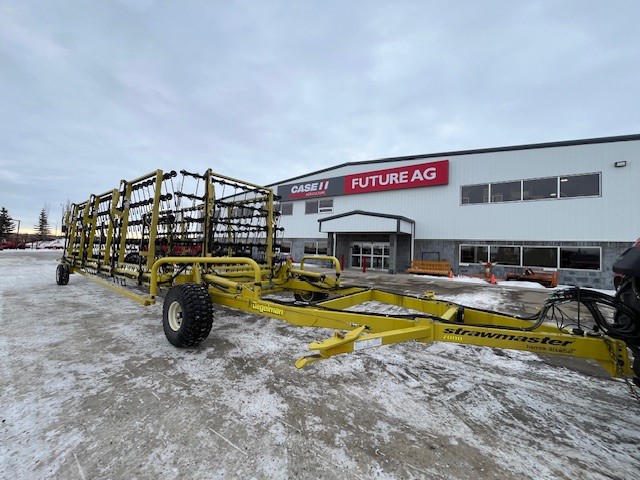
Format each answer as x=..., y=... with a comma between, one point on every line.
x=620, y=164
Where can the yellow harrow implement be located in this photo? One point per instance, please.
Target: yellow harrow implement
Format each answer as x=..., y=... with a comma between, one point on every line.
x=200, y=240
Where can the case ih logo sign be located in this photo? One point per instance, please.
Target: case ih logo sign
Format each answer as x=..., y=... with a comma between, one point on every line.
x=409, y=176
x=310, y=189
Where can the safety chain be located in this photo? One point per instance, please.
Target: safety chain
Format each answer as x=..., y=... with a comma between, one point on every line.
x=616, y=361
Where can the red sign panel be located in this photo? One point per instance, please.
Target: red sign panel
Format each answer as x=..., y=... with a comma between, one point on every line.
x=409, y=176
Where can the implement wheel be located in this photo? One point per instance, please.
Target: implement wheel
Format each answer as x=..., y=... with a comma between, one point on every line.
x=62, y=274
x=636, y=365
x=187, y=315
x=310, y=296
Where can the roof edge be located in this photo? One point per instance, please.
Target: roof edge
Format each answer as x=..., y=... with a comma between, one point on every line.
x=368, y=214
x=530, y=146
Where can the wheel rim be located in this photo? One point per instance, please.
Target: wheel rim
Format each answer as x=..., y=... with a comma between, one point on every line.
x=175, y=316
x=306, y=296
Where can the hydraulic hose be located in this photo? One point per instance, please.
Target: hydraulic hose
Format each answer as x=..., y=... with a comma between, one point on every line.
x=625, y=323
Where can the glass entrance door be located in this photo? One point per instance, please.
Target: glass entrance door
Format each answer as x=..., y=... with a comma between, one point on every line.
x=376, y=255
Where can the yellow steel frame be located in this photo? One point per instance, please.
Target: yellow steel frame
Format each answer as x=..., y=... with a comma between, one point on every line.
x=439, y=323
x=243, y=283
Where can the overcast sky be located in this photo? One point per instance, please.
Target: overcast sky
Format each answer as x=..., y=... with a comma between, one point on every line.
x=92, y=92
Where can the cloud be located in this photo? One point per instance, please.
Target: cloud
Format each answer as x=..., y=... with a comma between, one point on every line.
x=264, y=91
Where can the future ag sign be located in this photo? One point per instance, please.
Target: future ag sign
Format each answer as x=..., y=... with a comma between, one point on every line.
x=408, y=176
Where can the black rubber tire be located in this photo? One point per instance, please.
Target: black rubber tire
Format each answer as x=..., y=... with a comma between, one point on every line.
x=310, y=296
x=62, y=274
x=636, y=365
x=187, y=315
x=132, y=257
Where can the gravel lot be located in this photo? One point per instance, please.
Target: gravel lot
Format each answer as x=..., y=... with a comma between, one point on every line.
x=90, y=388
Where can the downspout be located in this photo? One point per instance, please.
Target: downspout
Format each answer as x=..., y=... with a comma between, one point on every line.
x=413, y=235
x=335, y=244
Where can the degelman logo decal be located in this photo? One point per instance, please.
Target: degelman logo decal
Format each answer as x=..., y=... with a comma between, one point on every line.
x=268, y=309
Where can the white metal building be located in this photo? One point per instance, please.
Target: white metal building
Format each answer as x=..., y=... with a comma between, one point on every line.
x=570, y=206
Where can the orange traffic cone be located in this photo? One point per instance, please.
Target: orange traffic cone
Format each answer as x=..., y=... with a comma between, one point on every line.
x=451, y=274
x=493, y=279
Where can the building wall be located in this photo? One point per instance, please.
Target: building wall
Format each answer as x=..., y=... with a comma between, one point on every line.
x=443, y=223
x=438, y=211
x=402, y=256
x=450, y=250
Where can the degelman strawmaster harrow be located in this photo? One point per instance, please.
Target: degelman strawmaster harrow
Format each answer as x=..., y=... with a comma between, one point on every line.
x=200, y=240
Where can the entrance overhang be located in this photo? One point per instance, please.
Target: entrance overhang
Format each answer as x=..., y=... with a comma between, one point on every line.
x=359, y=221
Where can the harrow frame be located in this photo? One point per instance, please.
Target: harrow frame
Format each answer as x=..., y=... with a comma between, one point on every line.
x=148, y=236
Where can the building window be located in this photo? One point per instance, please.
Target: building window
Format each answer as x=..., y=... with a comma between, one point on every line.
x=571, y=186
x=580, y=185
x=325, y=206
x=311, y=207
x=286, y=208
x=540, y=188
x=356, y=255
x=474, y=254
x=576, y=258
x=475, y=194
x=242, y=212
x=582, y=258
x=505, y=255
x=373, y=255
x=285, y=247
x=316, y=248
x=318, y=206
x=540, y=257
x=506, y=191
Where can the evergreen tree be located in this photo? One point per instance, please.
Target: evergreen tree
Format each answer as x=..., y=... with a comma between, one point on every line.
x=6, y=223
x=42, y=229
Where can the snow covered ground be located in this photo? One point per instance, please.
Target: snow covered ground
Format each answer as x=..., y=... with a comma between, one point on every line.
x=90, y=388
